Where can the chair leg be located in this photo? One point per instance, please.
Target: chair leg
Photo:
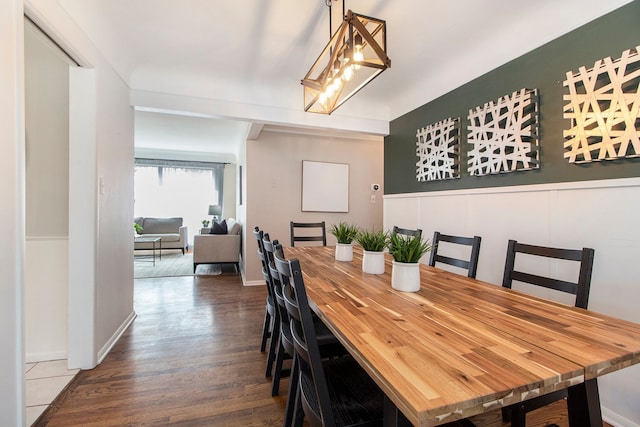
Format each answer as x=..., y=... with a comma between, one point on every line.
x=266, y=327
x=298, y=412
x=277, y=371
x=275, y=335
x=291, y=394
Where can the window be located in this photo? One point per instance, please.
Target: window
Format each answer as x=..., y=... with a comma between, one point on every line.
x=178, y=189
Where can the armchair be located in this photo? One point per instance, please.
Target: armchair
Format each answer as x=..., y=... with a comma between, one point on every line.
x=218, y=248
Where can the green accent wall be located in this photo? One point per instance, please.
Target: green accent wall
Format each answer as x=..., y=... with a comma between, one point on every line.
x=544, y=68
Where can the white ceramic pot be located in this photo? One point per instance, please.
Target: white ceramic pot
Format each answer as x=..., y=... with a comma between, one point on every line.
x=344, y=252
x=373, y=262
x=405, y=276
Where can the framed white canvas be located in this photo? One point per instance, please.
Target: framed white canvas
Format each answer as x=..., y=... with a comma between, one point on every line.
x=325, y=187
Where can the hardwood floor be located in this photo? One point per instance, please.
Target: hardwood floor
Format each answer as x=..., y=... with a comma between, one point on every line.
x=192, y=358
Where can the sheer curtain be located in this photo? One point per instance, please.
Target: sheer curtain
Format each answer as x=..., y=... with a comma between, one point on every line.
x=178, y=189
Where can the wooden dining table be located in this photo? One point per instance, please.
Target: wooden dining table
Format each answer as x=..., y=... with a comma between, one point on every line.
x=459, y=346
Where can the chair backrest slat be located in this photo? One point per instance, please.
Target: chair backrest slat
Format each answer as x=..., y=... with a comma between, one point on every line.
x=471, y=265
x=451, y=261
x=580, y=288
x=320, y=237
x=407, y=232
x=259, y=234
x=266, y=272
x=270, y=248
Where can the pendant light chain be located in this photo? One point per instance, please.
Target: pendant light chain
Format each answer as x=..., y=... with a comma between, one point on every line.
x=328, y=4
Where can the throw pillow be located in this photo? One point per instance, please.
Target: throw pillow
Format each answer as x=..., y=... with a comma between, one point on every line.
x=219, y=227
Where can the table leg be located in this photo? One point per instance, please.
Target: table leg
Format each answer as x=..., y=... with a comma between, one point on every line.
x=392, y=417
x=583, y=403
x=161, y=249
x=154, y=253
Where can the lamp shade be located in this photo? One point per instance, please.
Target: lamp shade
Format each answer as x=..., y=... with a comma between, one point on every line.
x=215, y=210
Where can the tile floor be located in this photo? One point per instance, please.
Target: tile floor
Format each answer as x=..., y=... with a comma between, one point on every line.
x=45, y=380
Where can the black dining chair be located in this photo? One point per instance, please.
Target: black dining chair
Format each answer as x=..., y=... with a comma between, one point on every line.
x=270, y=305
x=284, y=347
x=517, y=413
x=406, y=231
x=330, y=392
x=308, y=232
x=470, y=264
x=271, y=320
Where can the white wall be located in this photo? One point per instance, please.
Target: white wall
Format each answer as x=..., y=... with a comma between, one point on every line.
x=241, y=206
x=82, y=193
x=12, y=412
x=47, y=197
x=274, y=185
x=47, y=135
x=599, y=214
x=115, y=160
x=110, y=175
x=230, y=191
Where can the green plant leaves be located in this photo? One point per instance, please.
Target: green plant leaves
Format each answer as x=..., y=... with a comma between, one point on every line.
x=408, y=248
x=372, y=240
x=344, y=232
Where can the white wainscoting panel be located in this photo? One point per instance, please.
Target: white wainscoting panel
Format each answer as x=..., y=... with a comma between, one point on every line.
x=604, y=215
x=46, y=298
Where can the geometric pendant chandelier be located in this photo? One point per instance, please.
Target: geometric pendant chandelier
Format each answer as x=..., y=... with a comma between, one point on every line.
x=355, y=55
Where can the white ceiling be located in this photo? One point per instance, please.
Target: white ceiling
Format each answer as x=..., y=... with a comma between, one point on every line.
x=250, y=55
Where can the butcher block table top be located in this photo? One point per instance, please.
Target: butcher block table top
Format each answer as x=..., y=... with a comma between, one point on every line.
x=459, y=346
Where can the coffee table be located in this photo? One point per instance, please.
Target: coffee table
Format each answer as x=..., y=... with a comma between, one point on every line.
x=153, y=241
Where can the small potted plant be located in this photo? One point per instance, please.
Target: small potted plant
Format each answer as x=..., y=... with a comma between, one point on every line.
x=406, y=252
x=373, y=243
x=137, y=228
x=344, y=233
x=205, y=223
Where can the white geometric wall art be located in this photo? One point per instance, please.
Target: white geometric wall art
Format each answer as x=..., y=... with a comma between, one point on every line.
x=603, y=106
x=504, y=134
x=438, y=151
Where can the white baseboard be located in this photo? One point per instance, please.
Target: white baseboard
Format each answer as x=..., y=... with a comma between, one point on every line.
x=106, y=348
x=44, y=357
x=617, y=420
x=255, y=283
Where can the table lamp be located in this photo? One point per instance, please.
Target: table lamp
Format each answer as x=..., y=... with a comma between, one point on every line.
x=215, y=211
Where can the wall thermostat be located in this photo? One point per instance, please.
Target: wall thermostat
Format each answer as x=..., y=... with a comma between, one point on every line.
x=375, y=187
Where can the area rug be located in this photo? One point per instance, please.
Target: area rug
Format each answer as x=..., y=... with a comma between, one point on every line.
x=172, y=264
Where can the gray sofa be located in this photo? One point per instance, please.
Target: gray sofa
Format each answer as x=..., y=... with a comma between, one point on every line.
x=170, y=230
x=218, y=248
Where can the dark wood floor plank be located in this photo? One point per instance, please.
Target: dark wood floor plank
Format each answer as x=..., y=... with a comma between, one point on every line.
x=192, y=358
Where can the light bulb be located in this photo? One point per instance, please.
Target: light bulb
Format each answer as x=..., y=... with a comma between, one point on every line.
x=337, y=85
x=347, y=74
x=357, y=57
x=336, y=67
x=357, y=52
x=329, y=90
